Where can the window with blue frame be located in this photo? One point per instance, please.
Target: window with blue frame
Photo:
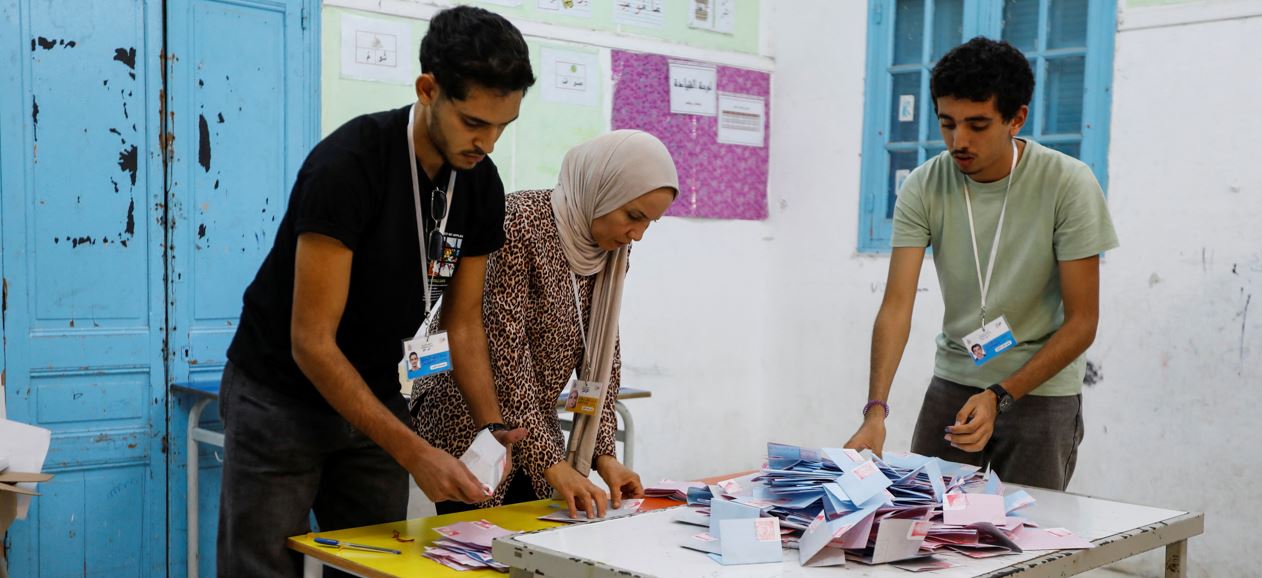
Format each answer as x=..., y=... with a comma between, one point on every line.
x=1070, y=47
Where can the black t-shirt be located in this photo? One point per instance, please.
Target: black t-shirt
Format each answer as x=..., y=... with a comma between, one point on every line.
x=356, y=187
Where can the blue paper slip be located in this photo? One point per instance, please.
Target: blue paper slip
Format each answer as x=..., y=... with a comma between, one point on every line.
x=750, y=541
x=1017, y=500
x=844, y=459
x=721, y=510
x=863, y=482
x=993, y=484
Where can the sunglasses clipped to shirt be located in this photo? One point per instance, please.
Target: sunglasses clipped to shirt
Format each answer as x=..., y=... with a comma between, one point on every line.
x=437, y=210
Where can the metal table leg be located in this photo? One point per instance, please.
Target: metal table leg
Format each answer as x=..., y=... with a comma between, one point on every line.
x=1176, y=559
x=196, y=434
x=628, y=428
x=192, y=472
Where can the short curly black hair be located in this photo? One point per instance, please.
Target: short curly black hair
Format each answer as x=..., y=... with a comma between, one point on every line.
x=982, y=68
x=472, y=46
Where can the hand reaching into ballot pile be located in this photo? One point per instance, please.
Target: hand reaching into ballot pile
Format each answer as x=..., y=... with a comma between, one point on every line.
x=871, y=435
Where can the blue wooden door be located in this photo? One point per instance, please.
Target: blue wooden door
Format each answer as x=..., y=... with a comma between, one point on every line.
x=81, y=186
x=242, y=90
x=133, y=210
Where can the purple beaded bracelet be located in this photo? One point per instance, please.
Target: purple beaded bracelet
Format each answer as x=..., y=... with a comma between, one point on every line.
x=876, y=402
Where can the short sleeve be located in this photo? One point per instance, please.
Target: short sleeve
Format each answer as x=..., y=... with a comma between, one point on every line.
x=1083, y=226
x=911, y=215
x=335, y=197
x=487, y=234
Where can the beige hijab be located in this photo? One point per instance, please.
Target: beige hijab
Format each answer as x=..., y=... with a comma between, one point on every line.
x=597, y=177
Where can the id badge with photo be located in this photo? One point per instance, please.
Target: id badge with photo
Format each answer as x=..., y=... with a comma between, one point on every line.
x=427, y=355
x=992, y=340
x=584, y=397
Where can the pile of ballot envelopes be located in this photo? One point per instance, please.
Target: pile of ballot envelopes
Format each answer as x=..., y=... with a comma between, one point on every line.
x=834, y=505
x=467, y=546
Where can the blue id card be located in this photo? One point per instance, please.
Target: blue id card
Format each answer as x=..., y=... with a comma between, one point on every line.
x=991, y=341
x=427, y=355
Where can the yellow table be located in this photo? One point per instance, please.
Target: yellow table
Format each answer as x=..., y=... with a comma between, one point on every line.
x=516, y=517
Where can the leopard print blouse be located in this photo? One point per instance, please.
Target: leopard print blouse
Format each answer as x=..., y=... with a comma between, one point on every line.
x=533, y=335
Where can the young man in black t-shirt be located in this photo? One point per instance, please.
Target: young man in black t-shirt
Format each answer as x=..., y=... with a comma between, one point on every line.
x=313, y=416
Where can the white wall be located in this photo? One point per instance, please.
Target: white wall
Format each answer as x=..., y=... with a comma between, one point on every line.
x=1174, y=422
x=694, y=326
x=825, y=294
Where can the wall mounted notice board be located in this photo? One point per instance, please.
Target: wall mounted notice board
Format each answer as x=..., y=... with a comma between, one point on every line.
x=717, y=129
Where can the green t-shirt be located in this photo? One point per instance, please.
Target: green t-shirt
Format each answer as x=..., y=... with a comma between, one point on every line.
x=1056, y=212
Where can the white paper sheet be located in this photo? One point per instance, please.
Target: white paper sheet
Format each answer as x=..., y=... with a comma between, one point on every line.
x=487, y=459
x=642, y=13
x=27, y=446
x=377, y=50
x=713, y=15
x=575, y=8
x=693, y=88
x=742, y=119
x=569, y=77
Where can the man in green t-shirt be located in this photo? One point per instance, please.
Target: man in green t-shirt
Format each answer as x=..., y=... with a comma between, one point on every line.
x=1016, y=229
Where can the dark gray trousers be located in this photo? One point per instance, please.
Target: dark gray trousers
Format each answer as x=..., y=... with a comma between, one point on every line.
x=1035, y=442
x=283, y=459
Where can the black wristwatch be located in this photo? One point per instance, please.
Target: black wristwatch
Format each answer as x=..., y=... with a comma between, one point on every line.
x=1001, y=394
x=495, y=426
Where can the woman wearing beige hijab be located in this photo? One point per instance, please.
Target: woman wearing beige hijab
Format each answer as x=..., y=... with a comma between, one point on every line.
x=551, y=303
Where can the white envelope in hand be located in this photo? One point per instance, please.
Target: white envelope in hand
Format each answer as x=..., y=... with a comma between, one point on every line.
x=487, y=458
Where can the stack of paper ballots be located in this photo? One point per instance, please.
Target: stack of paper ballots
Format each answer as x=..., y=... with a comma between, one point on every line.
x=834, y=505
x=467, y=546
x=671, y=489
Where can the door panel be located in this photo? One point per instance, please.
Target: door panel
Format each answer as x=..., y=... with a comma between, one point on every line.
x=82, y=194
x=243, y=108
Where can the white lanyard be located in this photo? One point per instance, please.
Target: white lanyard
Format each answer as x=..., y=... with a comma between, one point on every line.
x=994, y=247
x=578, y=307
x=416, y=197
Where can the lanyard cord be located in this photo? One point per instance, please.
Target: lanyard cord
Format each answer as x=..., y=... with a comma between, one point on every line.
x=994, y=247
x=420, y=224
x=578, y=308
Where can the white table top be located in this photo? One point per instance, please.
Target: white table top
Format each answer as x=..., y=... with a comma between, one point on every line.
x=648, y=544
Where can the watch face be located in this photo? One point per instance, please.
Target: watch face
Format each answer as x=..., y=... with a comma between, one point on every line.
x=1005, y=403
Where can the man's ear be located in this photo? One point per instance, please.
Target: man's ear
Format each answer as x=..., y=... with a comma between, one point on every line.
x=1018, y=120
x=427, y=89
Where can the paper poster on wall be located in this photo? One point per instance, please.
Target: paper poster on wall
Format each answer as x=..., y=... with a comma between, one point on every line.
x=741, y=119
x=377, y=50
x=714, y=15
x=569, y=77
x=717, y=180
x=906, y=107
x=900, y=176
x=692, y=88
x=725, y=16
x=575, y=8
x=642, y=13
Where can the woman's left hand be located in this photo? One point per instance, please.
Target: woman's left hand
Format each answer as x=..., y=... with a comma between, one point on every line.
x=622, y=482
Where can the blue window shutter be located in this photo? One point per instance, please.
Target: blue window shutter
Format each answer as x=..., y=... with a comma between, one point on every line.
x=1070, y=47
